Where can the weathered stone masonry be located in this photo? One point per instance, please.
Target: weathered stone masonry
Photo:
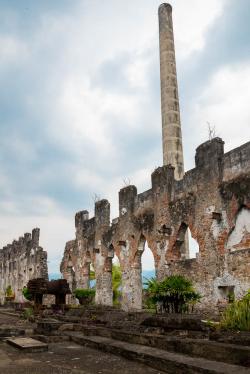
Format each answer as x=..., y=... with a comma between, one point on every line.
x=213, y=200
x=21, y=261
x=170, y=107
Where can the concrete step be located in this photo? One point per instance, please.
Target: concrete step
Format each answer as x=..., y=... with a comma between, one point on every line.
x=168, y=362
x=229, y=353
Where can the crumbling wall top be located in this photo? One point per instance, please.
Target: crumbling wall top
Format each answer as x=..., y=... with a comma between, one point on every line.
x=209, y=152
x=80, y=217
x=237, y=162
x=127, y=196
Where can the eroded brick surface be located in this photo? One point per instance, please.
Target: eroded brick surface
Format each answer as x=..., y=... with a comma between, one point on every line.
x=213, y=200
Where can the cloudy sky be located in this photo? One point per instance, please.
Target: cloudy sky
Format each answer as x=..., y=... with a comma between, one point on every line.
x=80, y=101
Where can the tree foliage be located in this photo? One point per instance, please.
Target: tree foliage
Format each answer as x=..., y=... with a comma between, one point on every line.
x=116, y=282
x=175, y=294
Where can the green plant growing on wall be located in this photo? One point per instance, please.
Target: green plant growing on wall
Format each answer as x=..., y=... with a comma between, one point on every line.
x=28, y=313
x=26, y=293
x=84, y=295
x=237, y=315
x=175, y=294
x=9, y=293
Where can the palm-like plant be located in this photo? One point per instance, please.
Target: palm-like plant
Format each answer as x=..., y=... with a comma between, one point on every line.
x=175, y=294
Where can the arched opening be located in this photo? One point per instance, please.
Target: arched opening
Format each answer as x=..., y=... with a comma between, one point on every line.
x=180, y=248
x=146, y=267
x=92, y=277
x=147, y=263
x=193, y=245
x=116, y=281
x=185, y=246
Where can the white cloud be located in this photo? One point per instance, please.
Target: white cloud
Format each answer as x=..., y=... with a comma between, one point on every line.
x=224, y=103
x=12, y=51
x=64, y=53
x=192, y=20
x=136, y=72
x=56, y=226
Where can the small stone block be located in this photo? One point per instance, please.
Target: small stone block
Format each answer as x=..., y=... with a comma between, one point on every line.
x=28, y=344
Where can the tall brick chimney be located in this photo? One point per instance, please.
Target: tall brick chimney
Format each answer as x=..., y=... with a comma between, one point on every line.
x=171, y=124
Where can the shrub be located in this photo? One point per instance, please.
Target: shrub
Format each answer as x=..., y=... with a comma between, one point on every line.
x=175, y=294
x=26, y=293
x=84, y=295
x=237, y=315
x=9, y=292
x=28, y=313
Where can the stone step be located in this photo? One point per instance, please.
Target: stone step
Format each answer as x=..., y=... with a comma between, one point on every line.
x=28, y=344
x=224, y=352
x=6, y=332
x=169, y=362
x=176, y=322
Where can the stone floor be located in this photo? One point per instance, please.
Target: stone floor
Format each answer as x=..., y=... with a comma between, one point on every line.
x=61, y=358
x=8, y=319
x=66, y=358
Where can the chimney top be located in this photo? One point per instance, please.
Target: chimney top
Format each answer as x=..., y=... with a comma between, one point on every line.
x=165, y=6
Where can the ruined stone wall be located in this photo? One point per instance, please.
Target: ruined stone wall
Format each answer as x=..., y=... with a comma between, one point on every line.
x=212, y=200
x=21, y=261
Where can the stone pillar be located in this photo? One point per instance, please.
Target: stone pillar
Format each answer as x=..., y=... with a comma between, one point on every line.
x=82, y=275
x=171, y=125
x=35, y=237
x=102, y=263
x=131, y=289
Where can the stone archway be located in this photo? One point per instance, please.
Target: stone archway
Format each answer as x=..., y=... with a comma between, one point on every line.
x=184, y=245
x=132, y=277
x=116, y=280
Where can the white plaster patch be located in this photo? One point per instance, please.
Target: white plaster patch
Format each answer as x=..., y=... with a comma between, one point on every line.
x=123, y=211
x=240, y=288
x=99, y=259
x=215, y=228
x=124, y=250
x=242, y=226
